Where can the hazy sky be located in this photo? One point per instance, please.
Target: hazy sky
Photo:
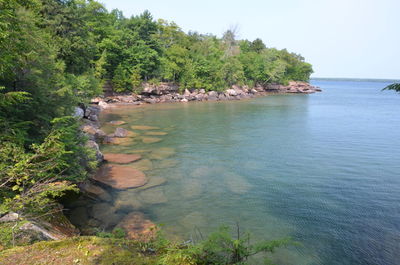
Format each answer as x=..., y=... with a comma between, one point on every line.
x=340, y=38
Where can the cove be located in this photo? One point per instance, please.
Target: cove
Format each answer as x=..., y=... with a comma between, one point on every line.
x=322, y=169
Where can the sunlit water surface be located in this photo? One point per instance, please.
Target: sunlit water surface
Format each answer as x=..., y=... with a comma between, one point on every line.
x=323, y=169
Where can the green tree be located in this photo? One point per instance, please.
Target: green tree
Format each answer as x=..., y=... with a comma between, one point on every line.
x=121, y=79
x=233, y=71
x=395, y=87
x=257, y=46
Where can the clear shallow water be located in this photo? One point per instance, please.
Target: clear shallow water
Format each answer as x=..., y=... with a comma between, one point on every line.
x=323, y=169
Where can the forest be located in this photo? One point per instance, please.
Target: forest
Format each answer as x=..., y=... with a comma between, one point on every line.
x=57, y=54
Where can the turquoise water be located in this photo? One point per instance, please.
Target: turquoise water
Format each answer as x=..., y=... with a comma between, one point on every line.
x=323, y=169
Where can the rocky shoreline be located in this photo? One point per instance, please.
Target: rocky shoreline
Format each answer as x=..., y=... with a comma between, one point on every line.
x=112, y=172
x=167, y=93
x=114, y=167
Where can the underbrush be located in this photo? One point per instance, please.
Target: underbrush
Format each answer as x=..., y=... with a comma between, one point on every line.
x=110, y=248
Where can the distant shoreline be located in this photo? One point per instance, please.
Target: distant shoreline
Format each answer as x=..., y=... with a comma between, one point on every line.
x=354, y=79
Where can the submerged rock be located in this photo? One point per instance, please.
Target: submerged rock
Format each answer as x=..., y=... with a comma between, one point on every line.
x=142, y=165
x=121, y=158
x=138, y=227
x=236, y=183
x=153, y=196
x=79, y=216
x=150, y=140
x=191, y=188
x=144, y=127
x=117, y=123
x=168, y=163
x=156, y=133
x=106, y=214
x=120, y=177
x=153, y=182
x=118, y=141
x=95, y=191
x=162, y=153
x=127, y=201
x=121, y=132
x=194, y=219
x=201, y=172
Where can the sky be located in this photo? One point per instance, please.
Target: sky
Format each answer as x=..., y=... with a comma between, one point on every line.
x=340, y=38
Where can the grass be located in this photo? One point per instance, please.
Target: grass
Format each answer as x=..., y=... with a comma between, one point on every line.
x=79, y=250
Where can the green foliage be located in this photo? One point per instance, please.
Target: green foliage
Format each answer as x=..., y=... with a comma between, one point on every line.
x=135, y=79
x=121, y=79
x=31, y=181
x=395, y=87
x=116, y=233
x=220, y=248
x=257, y=46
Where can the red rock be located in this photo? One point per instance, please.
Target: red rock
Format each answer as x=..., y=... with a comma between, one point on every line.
x=137, y=227
x=121, y=158
x=120, y=177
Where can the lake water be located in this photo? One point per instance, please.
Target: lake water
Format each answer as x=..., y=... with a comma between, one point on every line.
x=323, y=169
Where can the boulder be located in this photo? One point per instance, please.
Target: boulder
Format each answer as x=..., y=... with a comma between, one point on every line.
x=222, y=96
x=138, y=227
x=93, y=132
x=231, y=92
x=93, y=145
x=94, y=191
x=55, y=227
x=199, y=97
x=93, y=118
x=92, y=110
x=150, y=100
x=159, y=89
x=103, y=105
x=120, y=177
x=9, y=217
x=120, y=132
x=78, y=113
x=95, y=100
x=121, y=158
